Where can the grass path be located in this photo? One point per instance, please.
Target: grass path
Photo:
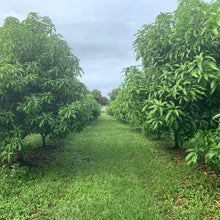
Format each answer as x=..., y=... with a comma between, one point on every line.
x=109, y=172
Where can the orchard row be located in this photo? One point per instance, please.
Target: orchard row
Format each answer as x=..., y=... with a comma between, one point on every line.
x=176, y=90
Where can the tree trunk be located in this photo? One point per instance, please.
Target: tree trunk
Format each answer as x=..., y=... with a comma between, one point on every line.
x=159, y=135
x=43, y=140
x=20, y=159
x=176, y=137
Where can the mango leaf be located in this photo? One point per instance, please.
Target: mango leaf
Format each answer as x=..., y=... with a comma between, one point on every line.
x=216, y=116
x=215, y=31
x=213, y=66
x=191, y=157
x=213, y=86
x=218, y=21
x=194, y=73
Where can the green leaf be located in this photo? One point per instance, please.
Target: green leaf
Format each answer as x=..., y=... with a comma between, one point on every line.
x=216, y=116
x=213, y=86
x=206, y=77
x=215, y=31
x=213, y=66
x=168, y=116
x=191, y=157
x=194, y=73
x=184, y=91
x=218, y=20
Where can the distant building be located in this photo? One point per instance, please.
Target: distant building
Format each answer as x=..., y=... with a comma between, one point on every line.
x=104, y=108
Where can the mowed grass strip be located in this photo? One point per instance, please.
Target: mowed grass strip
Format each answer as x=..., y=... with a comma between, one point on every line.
x=109, y=172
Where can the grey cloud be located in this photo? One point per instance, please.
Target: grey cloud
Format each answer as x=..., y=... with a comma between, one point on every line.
x=100, y=32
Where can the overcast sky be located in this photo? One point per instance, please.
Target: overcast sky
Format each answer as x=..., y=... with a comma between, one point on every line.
x=100, y=32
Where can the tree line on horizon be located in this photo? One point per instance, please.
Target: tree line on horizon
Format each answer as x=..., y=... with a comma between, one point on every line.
x=103, y=100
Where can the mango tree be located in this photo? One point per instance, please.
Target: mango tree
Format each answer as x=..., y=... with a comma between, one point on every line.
x=38, y=74
x=179, y=90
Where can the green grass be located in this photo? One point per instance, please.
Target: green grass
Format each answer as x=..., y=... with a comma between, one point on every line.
x=108, y=172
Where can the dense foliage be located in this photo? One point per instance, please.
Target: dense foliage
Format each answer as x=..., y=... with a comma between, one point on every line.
x=39, y=89
x=177, y=88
